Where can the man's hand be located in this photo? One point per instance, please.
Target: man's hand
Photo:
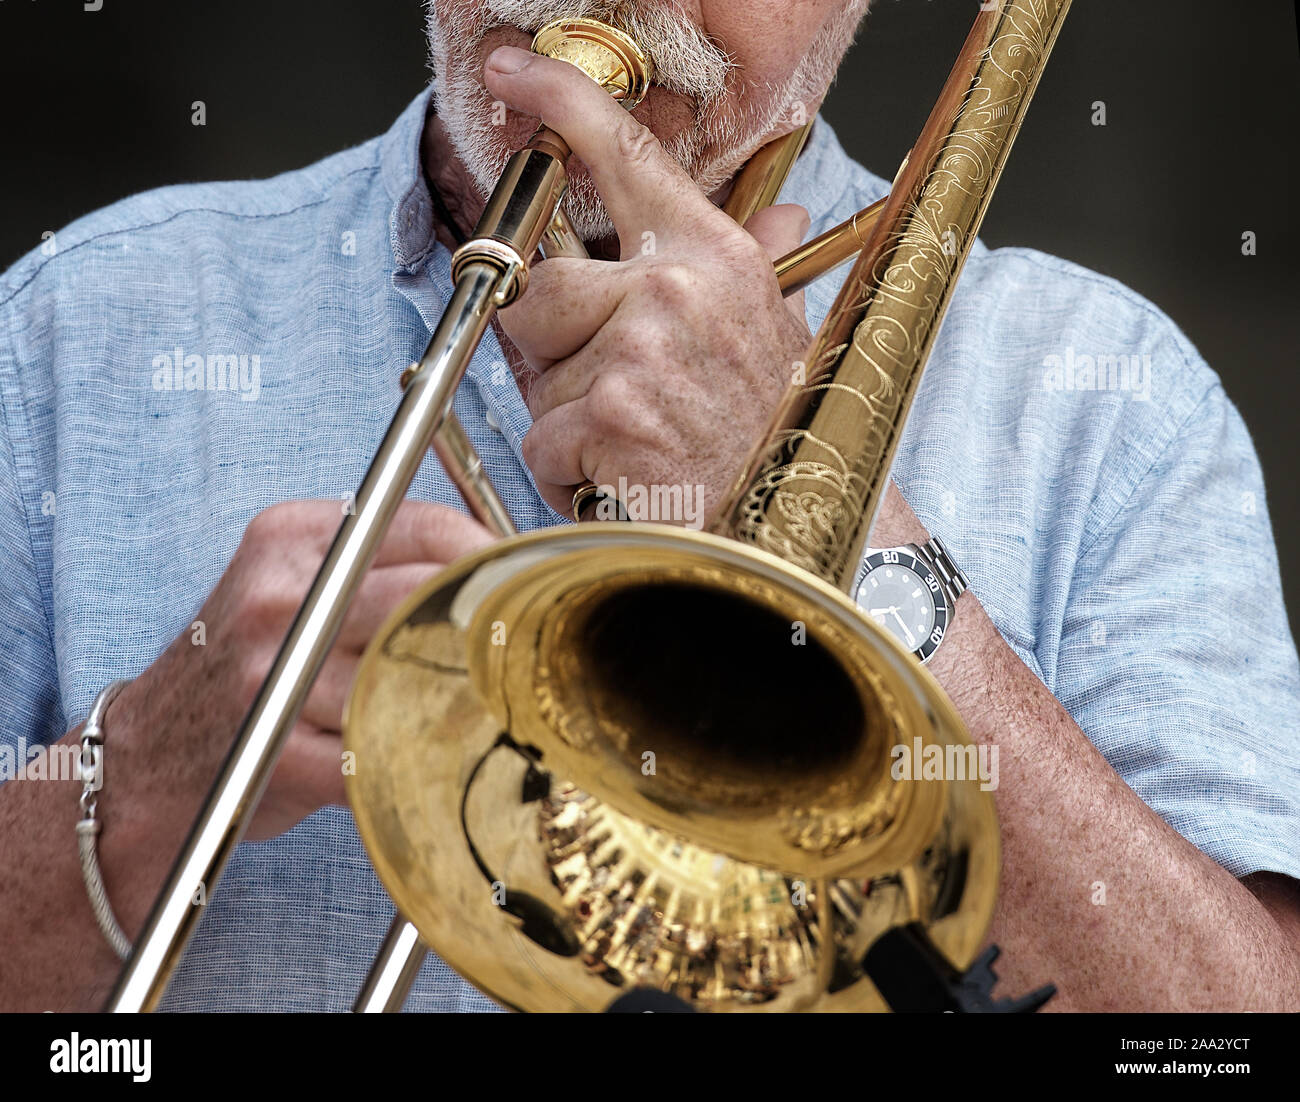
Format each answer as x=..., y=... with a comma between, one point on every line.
x=177, y=719
x=664, y=367
x=168, y=732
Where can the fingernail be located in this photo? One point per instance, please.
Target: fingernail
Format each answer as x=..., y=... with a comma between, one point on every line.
x=509, y=59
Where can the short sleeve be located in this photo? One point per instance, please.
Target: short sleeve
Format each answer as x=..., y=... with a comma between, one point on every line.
x=30, y=710
x=1176, y=657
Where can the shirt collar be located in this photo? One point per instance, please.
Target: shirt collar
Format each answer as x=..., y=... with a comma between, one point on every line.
x=410, y=224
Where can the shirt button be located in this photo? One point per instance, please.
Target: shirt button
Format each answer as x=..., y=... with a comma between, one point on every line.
x=493, y=424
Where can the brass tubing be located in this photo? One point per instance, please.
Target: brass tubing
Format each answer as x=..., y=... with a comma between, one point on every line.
x=760, y=182
x=511, y=221
x=393, y=972
x=523, y=214
x=465, y=469
x=561, y=239
x=520, y=211
x=593, y=672
x=827, y=251
x=811, y=488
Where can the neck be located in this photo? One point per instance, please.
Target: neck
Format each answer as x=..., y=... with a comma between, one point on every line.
x=451, y=182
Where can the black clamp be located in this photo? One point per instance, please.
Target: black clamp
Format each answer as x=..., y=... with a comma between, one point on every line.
x=915, y=978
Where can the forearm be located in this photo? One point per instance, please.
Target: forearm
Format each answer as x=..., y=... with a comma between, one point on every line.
x=57, y=959
x=1098, y=894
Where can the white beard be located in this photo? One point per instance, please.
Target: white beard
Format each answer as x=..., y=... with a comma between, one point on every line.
x=728, y=129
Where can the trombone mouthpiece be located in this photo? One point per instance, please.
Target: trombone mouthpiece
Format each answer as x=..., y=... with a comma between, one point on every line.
x=609, y=56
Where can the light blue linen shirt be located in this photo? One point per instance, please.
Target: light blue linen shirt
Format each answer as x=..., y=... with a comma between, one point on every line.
x=1116, y=533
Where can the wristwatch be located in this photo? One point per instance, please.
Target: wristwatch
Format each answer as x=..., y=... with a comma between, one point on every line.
x=912, y=592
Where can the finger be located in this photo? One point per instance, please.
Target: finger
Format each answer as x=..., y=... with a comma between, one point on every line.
x=383, y=589
x=311, y=767
x=329, y=692
x=553, y=450
x=572, y=443
x=424, y=532
x=571, y=379
x=643, y=187
x=295, y=534
x=780, y=229
x=559, y=498
x=566, y=302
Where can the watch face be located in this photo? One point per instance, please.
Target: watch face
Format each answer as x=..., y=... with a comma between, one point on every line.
x=902, y=595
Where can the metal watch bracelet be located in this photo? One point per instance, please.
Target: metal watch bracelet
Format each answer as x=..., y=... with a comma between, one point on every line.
x=935, y=555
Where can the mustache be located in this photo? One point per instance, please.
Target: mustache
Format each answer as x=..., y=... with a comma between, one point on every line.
x=686, y=60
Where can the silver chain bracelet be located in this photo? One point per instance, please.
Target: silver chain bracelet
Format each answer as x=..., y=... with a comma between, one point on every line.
x=91, y=772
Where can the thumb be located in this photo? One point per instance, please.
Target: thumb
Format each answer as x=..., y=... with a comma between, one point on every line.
x=779, y=229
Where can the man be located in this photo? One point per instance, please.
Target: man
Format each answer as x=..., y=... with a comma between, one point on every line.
x=1123, y=642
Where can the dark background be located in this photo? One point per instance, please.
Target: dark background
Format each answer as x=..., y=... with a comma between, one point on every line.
x=1203, y=115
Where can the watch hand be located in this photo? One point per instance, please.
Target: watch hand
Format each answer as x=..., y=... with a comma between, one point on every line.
x=911, y=639
x=881, y=611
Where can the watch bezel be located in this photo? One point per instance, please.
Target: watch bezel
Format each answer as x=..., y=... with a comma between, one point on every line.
x=904, y=556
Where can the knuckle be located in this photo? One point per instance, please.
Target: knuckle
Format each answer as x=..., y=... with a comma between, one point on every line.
x=749, y=257
x=530, y=444
x=258, y=604
x=263, y=529
x=673, y=284
x=637, y=144
x=282, y=523
x=610, y=398
x=254, y=670
x=442, y=529
x=539, y=450
x=427, y=522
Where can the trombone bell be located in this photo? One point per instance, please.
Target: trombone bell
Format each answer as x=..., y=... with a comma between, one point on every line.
x=570, y=788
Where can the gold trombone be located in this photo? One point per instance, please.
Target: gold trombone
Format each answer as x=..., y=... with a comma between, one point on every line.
x=504, y=717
